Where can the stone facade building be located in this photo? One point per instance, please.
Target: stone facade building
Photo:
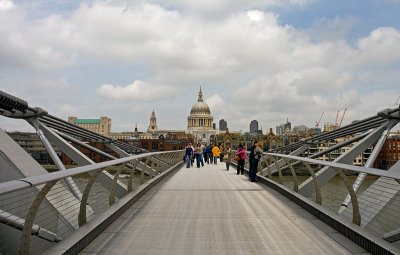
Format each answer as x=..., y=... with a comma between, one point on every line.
x=100, y=126
x=161, y=139
x=267, y=141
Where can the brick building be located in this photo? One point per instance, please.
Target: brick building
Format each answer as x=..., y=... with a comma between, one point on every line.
x=390, y=152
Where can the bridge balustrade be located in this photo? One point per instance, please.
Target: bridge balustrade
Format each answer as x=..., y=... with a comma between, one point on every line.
x=375, y=208
x=38, y=212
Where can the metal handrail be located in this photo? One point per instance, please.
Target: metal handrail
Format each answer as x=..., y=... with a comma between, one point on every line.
x=367, y=170
x=360, y=169
x=10, y=186
x=72, y=213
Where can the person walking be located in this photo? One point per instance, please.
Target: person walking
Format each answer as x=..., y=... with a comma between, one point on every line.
x=227, y=157
x=198, y=152
x=209, y=155
x=201, y=154
x=222, y=152
x=215, y=152
x=251, y=158
x=188, y=154
x=255, y=154
x=192, y=155
x=205, y=153
x=241, y=153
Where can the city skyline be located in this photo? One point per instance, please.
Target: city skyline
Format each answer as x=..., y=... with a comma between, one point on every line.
x=258, y=60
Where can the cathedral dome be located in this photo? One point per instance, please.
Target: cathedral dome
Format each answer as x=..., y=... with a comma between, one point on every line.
x=200, y=107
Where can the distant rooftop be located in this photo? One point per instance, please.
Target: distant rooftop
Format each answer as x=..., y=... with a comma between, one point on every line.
x=87, y=121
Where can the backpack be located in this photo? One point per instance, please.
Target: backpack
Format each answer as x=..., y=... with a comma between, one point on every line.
x=251, y=156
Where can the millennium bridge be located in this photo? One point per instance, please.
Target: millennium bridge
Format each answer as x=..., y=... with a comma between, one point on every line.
x=162, y=207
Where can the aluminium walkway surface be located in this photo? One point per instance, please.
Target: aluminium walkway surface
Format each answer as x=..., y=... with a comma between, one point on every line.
x=210, y=210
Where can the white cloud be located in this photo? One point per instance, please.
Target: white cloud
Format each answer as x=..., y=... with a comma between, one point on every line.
x=374, y=102
x=382, y=46
x=67, y=110
x=138, y=90
x=215, y=102
x=220, y=8
x=6, y=5
x=38, y=45
x=257, y=68
x=55, y=85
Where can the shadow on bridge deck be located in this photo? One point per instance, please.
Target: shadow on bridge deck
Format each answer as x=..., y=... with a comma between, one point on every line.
x=214, y=211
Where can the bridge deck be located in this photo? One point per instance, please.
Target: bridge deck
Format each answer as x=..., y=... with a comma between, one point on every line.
x=214, y=211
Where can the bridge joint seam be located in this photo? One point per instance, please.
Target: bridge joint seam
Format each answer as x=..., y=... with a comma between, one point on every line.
x=30, y=184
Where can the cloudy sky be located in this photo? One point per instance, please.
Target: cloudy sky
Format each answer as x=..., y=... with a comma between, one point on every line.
x=256, y=59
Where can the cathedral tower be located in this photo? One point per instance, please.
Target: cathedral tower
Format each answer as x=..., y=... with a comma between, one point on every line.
x=153, y=123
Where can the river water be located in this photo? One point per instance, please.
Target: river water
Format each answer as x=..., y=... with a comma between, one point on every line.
x=333, y=193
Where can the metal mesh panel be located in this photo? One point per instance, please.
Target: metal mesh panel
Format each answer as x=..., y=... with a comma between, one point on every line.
x=58, y=215
x=378, y=200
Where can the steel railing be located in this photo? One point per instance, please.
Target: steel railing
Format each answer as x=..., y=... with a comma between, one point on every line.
x=375, y=207
x=39, y=211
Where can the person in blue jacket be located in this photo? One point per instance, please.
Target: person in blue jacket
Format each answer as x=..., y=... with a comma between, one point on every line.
x=209, y=155
x=188, y=154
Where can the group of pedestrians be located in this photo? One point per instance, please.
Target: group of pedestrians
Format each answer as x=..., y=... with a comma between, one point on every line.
x=254, y=158
x=203, y=153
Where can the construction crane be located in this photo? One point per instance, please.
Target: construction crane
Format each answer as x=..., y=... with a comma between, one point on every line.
x=320, y=118
x=344, y=112
x=337, y=114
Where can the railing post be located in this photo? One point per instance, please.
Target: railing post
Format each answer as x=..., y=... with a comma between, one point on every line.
x=279, y=170
x=259, y=165
x=111, y=197
x=85, y=196
x=142, y=172
x=131, y=174
x=154, y=166
x=159, y=166
x=247, y=161
x=150, y=166
x=268, y=167
x=295, y=184
x=318, y=197
x=27, y=230
x=170, y=158
x=353, y=196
